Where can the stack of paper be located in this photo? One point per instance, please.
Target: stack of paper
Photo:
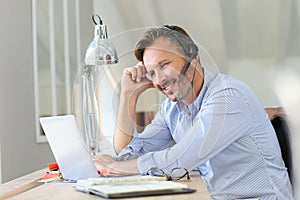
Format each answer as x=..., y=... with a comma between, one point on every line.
x=131, y=186
x=107, y=180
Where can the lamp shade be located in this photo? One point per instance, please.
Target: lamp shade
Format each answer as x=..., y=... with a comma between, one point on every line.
x=101, y=51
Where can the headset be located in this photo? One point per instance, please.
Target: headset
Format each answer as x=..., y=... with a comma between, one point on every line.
x=190, y=50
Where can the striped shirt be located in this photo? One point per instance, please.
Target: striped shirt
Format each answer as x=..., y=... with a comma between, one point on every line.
x=225, y=134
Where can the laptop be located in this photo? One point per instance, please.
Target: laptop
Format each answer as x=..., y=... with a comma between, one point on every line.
x=69, y=150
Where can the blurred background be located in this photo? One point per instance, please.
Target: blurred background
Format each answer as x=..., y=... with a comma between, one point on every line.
x=43, y=45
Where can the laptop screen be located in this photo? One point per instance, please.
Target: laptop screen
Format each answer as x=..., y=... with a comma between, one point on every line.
x=74, y=160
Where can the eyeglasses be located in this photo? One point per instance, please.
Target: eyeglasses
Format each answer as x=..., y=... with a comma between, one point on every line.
x=177, y=173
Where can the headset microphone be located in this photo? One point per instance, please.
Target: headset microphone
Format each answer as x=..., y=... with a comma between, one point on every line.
x=185, y=68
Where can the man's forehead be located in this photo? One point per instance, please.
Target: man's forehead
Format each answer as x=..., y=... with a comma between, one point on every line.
x=155, y=55
x=158, y=56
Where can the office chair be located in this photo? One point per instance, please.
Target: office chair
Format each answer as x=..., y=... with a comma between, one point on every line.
x=283, y=135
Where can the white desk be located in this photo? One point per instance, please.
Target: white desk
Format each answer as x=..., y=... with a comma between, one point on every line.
x=27, y=187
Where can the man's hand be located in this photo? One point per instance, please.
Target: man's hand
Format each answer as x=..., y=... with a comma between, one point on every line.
x=103, y=163
x=106, y=164
x=134, y=80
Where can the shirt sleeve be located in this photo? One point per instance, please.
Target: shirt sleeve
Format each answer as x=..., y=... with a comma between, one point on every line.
x=155, y=137
x=225, y=116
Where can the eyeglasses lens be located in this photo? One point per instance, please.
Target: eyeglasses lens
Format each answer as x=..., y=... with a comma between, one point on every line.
x=179, y=173
x=156, y=172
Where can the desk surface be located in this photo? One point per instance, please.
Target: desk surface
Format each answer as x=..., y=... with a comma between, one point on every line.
x=31, y=189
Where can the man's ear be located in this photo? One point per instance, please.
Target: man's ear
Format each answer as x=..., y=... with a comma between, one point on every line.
x=197, y=57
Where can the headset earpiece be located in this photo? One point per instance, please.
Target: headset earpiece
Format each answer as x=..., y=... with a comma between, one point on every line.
x=190, y=50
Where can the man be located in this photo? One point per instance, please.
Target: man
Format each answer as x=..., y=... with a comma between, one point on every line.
x=209, y=122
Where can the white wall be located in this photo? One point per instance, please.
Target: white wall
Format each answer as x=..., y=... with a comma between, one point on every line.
x=0, y=166
x=19, y=152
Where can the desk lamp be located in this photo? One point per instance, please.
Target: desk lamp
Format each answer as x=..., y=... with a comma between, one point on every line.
x=100, y=53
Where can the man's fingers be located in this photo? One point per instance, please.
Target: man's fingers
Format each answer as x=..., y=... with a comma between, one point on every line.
x=139, y=73
x=132, y=72
x=141, y=70
x=136, y=72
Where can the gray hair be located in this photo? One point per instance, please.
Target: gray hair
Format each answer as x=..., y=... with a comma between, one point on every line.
x=174, y=34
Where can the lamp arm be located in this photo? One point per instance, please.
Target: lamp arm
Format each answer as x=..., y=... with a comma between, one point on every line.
x=90, y=111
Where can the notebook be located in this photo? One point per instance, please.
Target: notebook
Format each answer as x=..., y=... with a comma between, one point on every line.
x=69, y=150
x=134, y=189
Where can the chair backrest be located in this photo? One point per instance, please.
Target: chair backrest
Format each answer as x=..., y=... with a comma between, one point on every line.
x=283, y=135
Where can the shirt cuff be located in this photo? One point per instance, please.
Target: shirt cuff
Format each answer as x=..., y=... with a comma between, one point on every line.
x=145, y=162
x=132, y=150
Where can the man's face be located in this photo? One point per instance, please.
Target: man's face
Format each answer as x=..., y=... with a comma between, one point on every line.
x=164, y=65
